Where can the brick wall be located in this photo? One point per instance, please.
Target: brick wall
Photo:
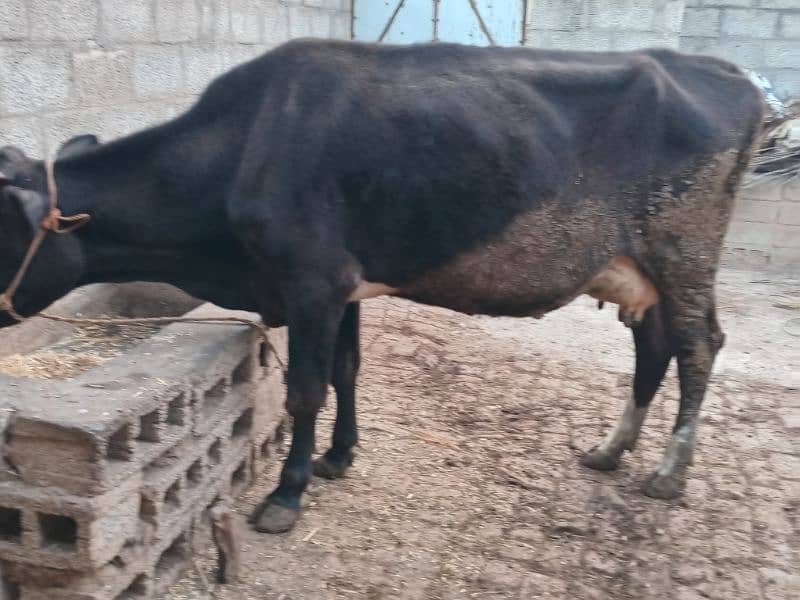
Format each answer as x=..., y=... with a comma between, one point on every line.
x=113, y=66
x=763, y=35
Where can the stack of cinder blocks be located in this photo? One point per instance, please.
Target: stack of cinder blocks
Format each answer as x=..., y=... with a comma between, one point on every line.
x=107, y=475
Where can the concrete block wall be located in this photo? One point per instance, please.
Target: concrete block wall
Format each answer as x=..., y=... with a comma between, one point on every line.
x=111, y=67
x=603, y=24
x=763, y=35
x=765, y=231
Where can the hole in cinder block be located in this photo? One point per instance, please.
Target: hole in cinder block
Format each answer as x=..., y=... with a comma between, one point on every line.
x=176, y=411
x=265, y=450
x=194, y=476
x=58, y=531
x=239, y=477
x=215, y=452
x=137, y=589
x=243, y=371
x=150, y=427
x=172, y=497
x=174, y=556
x=120, y=444
x=9, y=590
x=10, y=524
x=147, y=509
x=213, y=397
x=263, y=354
x=243, y=425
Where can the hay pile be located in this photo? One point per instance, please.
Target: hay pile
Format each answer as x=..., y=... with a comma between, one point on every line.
x=85, y=349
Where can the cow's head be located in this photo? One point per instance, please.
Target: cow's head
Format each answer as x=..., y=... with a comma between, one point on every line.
x=58, y=264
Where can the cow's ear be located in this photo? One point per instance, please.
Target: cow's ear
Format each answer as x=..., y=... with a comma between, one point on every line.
x=77, y=144
x=21, y=211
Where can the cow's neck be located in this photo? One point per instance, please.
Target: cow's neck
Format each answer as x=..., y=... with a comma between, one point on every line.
x=157, y=204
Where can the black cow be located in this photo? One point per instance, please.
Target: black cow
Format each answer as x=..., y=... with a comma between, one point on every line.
x=501, y=181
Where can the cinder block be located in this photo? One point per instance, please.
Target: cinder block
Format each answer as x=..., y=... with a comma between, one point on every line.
x=750, y=234
x=755, y=211
x=780, y=54
x=70, y=20
x=775, y=3
x=14, y=20
x=636, y=40
x=752, y=23
x=222, y=19
x=570, y=40
x=701, y=22
x=305, y=21
x=726, y=3
x=24, y=133
x=177, y=20
x=790, y=25
x=158, y=71
x=34, y=79
x=126, y=21
x=246, y=21
x=110, y=122
x=556, y=15
x=60, y=531
x=102, y=77
x=745, y=258
x=626, y=15
x=746, y=53
x=201, y=64
x=785, y=260
x=276, y=23
x=789, y=213
x=149, y=462
x=790, y=191
x=771, y=189
x=328, y=4
x=786, y=236
x=341, y=26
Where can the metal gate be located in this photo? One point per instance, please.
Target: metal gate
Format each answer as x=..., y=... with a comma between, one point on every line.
x=476, y=22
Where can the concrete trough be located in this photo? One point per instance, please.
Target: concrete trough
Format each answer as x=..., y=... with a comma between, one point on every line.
x=107, y=471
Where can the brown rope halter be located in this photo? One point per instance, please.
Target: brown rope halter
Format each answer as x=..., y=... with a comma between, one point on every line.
x=57, y=223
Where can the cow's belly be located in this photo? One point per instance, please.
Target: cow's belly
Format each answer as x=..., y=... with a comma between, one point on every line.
x=540, y=263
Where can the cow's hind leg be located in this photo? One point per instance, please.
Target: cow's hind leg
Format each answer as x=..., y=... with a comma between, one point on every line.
x=314, y=311
x=346, y=361
x=697, y=338
x=652, y=359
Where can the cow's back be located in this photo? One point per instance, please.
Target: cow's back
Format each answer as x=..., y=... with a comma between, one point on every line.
x=447, y=166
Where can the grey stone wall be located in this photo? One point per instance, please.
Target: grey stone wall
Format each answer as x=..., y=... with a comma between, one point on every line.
x=763, y=35
x=765, y=230
x=113, y=66
x=603, y=24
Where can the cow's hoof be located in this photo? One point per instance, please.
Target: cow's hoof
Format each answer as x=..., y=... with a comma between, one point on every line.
x=274, y=518
x=600, y=460
x=664, y=487
x=331, y=468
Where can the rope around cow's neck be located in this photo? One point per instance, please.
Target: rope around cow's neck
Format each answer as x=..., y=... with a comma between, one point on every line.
x=57, y=223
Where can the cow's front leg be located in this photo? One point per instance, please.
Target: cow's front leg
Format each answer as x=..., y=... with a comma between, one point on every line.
x=314, y=313
x=346, y=360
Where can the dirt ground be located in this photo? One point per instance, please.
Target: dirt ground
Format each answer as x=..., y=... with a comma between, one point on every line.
x=467, y=482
